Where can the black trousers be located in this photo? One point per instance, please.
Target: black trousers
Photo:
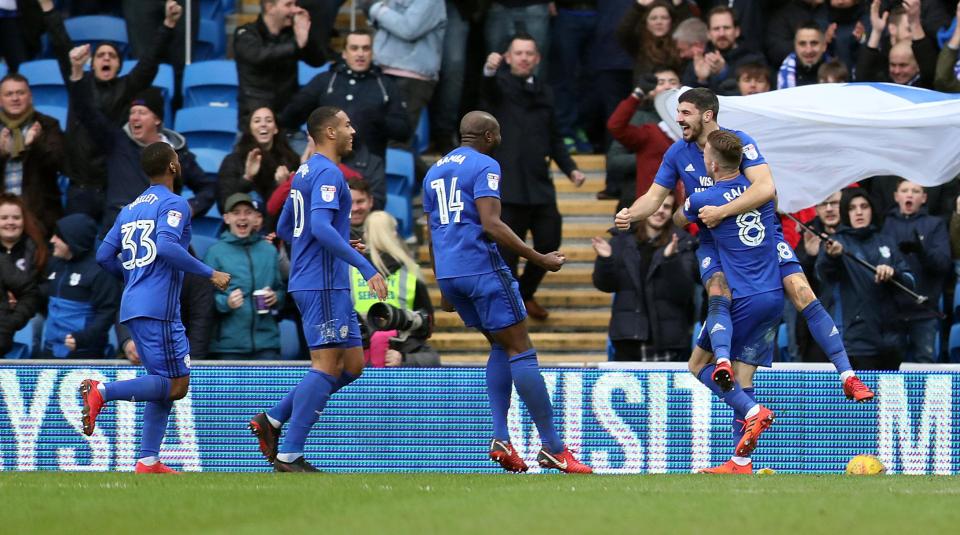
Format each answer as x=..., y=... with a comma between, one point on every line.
x=545, y=223
x=12, y=46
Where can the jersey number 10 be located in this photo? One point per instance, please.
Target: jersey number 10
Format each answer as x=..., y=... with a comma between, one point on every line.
x=146, y=243
x=298, y=217
x=448, y=204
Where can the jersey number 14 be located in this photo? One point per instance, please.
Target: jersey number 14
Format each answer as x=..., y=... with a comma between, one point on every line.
x=448, y=204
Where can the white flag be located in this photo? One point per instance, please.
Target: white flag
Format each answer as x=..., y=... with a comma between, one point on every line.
x=820, y=138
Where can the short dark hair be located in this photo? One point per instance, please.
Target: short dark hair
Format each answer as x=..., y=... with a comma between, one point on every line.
x=753, y=70
x=358, y=31
x=523, y=36
x=728, y=148
x=15, y=77
x=720, y=10
x=657, y=69
x=358, y=184
x=155, y=158
x=321, y=118
x=834, y=69
x=704, y=100
x=808, y=25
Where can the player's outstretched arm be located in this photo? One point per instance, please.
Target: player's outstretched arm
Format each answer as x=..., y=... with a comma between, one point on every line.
x=170, y=250
x=761, y=191
x=321, y=226
x=107, y=258
x=643, y=207
x=489, y=210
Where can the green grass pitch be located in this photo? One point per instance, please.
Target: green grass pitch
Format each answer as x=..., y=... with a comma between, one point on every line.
x=489, y=504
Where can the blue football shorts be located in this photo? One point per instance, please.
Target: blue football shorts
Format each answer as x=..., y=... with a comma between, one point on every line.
x=755, y=319
x=709, y=261
x=162, y=345
x=490, y=301
x=329, y=320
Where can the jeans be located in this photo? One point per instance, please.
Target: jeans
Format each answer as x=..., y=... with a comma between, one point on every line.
x=504, y=22
x=446, y=102
x=572, y=32
x=919, y=340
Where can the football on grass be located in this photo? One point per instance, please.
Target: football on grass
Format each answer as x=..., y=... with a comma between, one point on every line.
x=865, y=465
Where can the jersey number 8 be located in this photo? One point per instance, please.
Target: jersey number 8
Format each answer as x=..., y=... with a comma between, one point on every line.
x=453, y=206
x=146, y=243
x=752, y=230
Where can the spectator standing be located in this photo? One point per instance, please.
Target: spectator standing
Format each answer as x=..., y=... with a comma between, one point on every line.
x=31, y=150
x=83, y=299
x=123, y=146
x=507, y=18
x=652, y=272
x=801, y=66
x=267, y=51
x=245, y=325
x=947, y=76
x=716, y=67
x=870, y=329
x=645, y=33
x=357, y=86
x=21, y=236
x=445, y=108
x=690, y=38
x=524, y=106
x=142, y=16
x=85, y=162
x=925, y=245
x=826, y=221
x=405, y=291
x=260, y=161
x=573, y=26
x=912, y=58
x=13, y=46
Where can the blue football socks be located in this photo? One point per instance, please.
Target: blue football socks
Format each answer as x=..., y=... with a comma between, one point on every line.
x=281, y=412
x=308, y=402
x=533, y=392
x=155, y=415
x=499, y=389
x=146, y=388
x=719, y=326
x=825, y=332
x=706, y=377
x=740, y=417
x=736, y=399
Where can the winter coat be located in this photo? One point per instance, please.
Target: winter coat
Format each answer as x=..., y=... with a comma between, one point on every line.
x=409, y=35
x=42, y=162
x=371, y=100
x=869, y=312
x=725, y=80
x=83, y=297
x=24, y=288
x=656, y=308
x=930, y=265
x=252, y=264
x=530, y=139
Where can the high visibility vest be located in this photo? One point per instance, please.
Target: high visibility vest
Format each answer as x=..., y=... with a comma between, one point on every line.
x=401, y=288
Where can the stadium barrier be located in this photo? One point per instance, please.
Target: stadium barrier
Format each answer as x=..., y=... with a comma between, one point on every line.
x=621, y=419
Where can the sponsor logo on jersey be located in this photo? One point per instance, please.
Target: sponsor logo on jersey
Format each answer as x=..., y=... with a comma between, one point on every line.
x=173, y=218
x=493, y=181
x=750, y=151
x=327, y=193
x=689, y=168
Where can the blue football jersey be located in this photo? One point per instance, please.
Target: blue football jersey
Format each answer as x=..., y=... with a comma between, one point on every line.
x=151, y=285
x=460, y=247
x=746, y=243
x=318, y=185
x=684, y=161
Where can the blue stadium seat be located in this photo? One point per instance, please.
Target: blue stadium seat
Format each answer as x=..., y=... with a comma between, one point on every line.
x=205, y=127
x=22, y=343
x=210, y=83
x=201, y=244
x=289, y=340
x=400, y=172
x=57, y=112
x=206, y=226
x=399, y=207
x=3, y=70
x=46, y=82
x=305, y=72
x=953, y=345
x=211, y=40
x=421, y=137
x=163, y=80
x=94, y=29
x=209, y=159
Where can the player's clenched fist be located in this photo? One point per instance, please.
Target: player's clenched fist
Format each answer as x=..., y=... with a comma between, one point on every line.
x=378, y=286
x=552, y=261
x=623, y=219
x=220, y=280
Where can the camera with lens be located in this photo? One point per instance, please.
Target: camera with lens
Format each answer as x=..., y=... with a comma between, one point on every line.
x=407, y=323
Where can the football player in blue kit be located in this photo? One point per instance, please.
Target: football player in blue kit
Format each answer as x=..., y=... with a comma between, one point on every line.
x=697, y=115
x=461, y=197
x=745, y=245
x=151, y=235
x=315, y=221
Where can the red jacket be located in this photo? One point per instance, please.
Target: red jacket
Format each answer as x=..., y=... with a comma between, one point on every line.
x=279, y=195
x=647, y=141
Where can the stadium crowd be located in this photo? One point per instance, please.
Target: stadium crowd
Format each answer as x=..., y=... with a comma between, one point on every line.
x=564, y=77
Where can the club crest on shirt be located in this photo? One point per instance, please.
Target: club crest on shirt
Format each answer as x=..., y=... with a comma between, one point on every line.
x=884, y=251
x=74, y=279
x=493, y=180
x=173, y=218
x=327, y=193
x=344, y=330
x=750, y=151
x=706, y=263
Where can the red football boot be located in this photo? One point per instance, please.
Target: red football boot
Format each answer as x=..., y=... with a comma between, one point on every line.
x=504, y=454
x=854, y=389
x=728, y=467
x=723, y=376
x=563, y=461
x=92, y=403
x=268, y=436
x=155, y=468
x=752, y=429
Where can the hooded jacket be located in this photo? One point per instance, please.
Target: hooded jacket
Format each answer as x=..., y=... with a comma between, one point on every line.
x=125, y=178
x=83, y=298
x=253, y=264
x=928, y=255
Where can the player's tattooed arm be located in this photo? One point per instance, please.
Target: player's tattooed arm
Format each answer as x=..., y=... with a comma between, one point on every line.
x=761, y=190
x=503, y=235
x=680, y=219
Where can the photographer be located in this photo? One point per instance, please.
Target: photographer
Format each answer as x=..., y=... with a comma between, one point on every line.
x=400, y=339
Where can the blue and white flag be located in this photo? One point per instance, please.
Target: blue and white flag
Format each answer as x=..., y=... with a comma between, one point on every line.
x=820, y=138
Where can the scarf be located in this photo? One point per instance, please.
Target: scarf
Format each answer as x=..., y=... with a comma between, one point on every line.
x=16, y=130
